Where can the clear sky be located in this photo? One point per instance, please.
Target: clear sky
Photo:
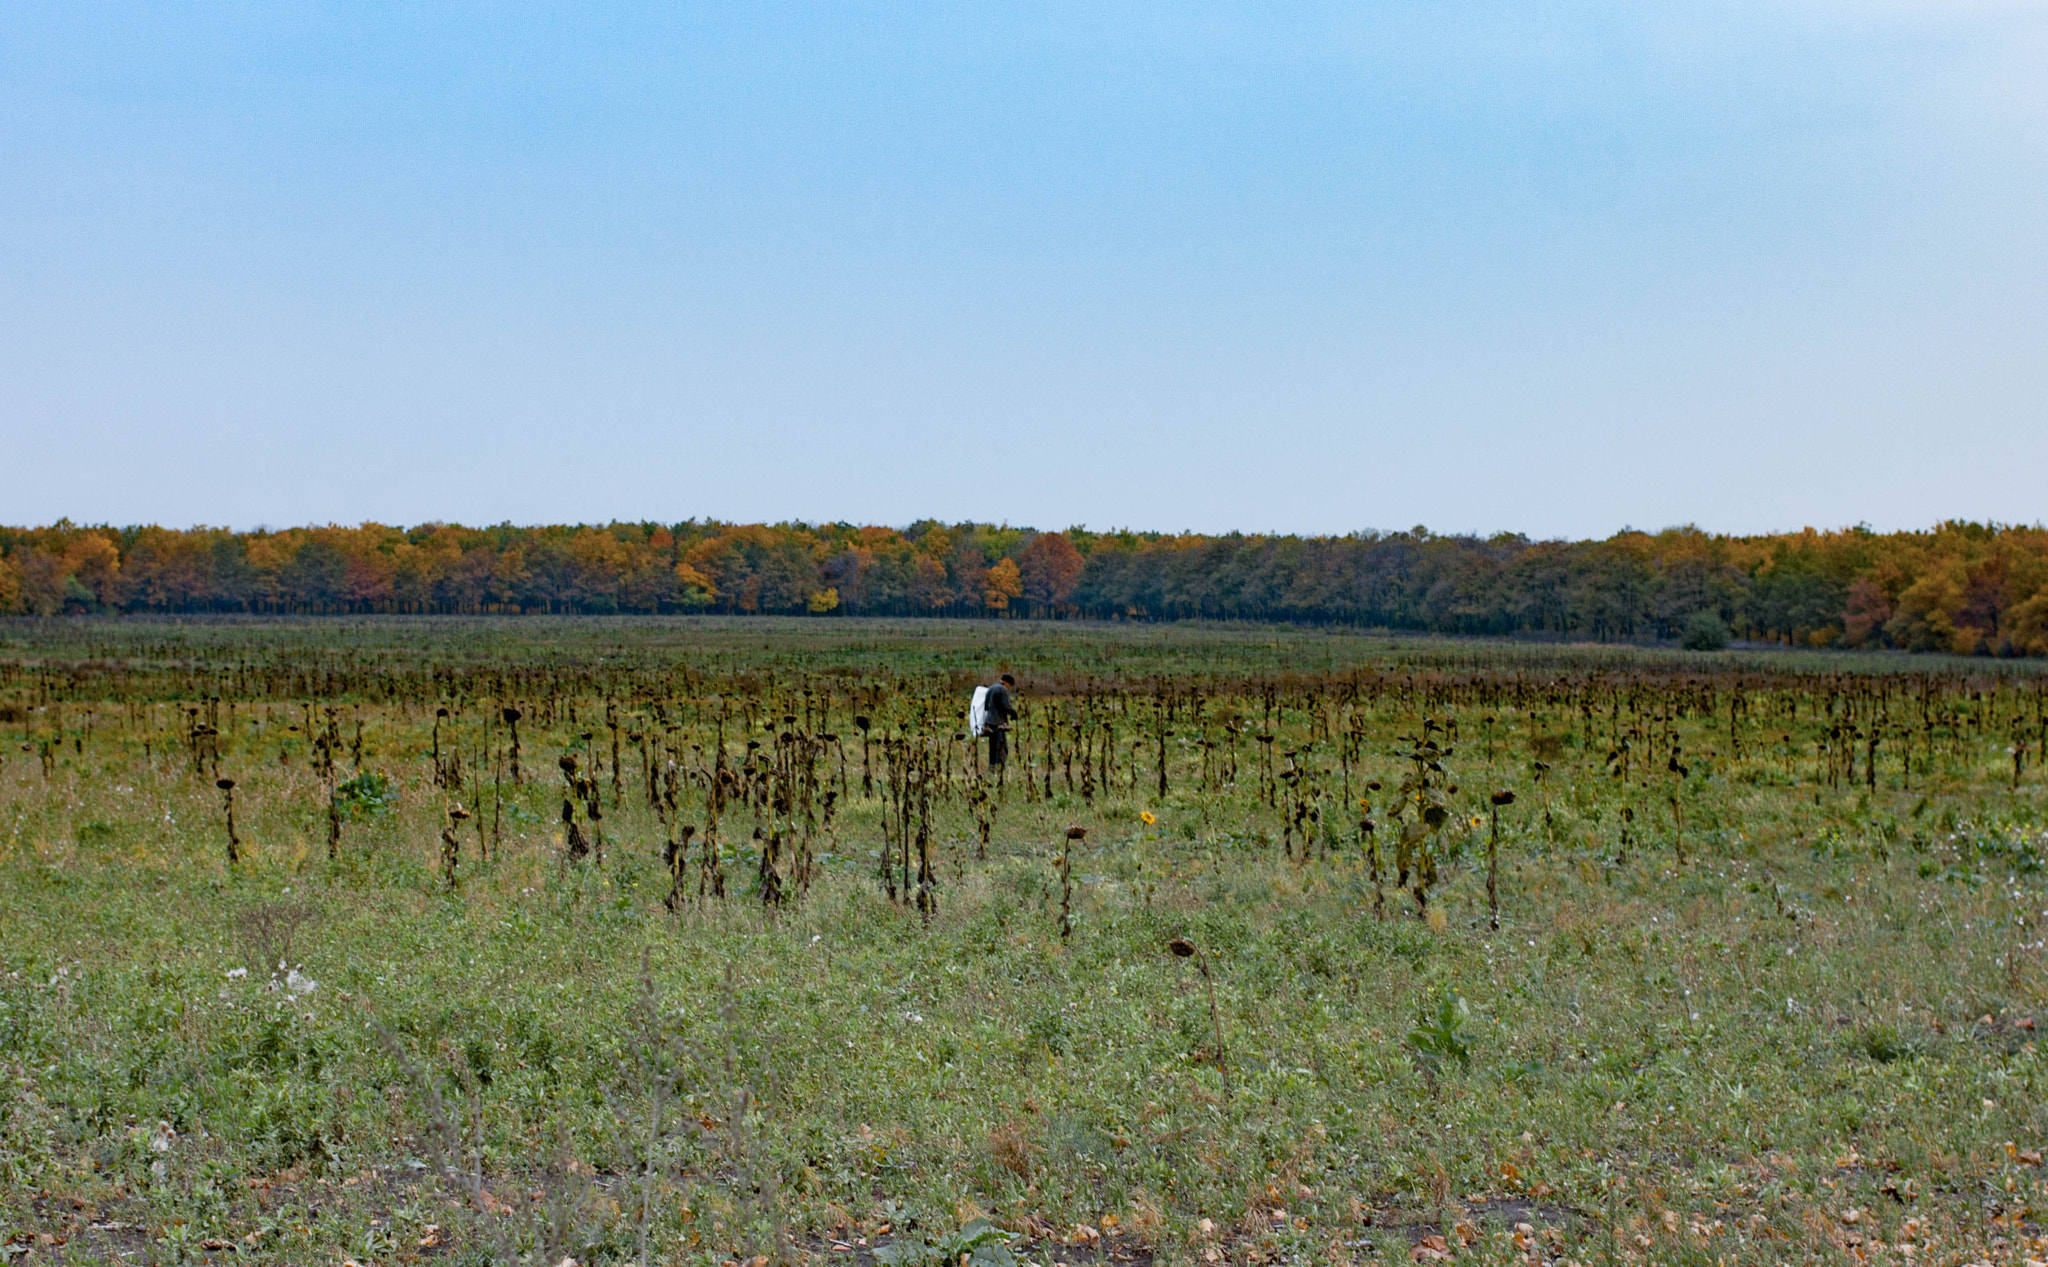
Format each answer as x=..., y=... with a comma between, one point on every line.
x=1550, y=268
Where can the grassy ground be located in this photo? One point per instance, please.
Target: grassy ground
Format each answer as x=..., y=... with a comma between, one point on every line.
x=1810, y=1040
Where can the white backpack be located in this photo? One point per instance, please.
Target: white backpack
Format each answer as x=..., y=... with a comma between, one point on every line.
x=977, y=711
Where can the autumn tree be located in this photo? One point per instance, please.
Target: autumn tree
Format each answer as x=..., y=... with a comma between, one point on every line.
x=1049, y=568
x=1003, y=583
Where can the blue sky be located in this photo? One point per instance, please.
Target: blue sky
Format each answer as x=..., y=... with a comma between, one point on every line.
x=1548, y=268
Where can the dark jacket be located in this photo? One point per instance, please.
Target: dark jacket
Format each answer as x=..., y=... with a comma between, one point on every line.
x=1000, y=707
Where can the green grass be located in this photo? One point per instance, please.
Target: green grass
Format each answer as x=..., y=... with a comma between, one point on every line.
x=1825, y=1009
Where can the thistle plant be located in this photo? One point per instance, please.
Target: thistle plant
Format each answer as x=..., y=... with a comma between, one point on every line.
x=1498, y=801
x=675, y=858
x=1678, y=771
x=1064, y=864
x=576, y=845
x=1421, y=810
x=512, y=717
x=227, y=804
x=451, y=845
x=1182, y=948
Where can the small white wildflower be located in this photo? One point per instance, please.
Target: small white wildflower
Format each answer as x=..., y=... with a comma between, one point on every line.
x=299, y=983
x=236, y=974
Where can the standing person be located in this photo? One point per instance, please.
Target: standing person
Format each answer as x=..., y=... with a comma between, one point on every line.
x=999, y=706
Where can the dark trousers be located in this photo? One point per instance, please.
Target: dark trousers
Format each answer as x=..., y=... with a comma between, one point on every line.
x=998, y=747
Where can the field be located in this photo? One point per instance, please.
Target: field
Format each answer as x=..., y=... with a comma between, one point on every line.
x=360, y=940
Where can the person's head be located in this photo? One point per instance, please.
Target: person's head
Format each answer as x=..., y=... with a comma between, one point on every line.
x=1008, y=680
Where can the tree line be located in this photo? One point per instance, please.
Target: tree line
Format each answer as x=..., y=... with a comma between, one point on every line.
x=1959, y=587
